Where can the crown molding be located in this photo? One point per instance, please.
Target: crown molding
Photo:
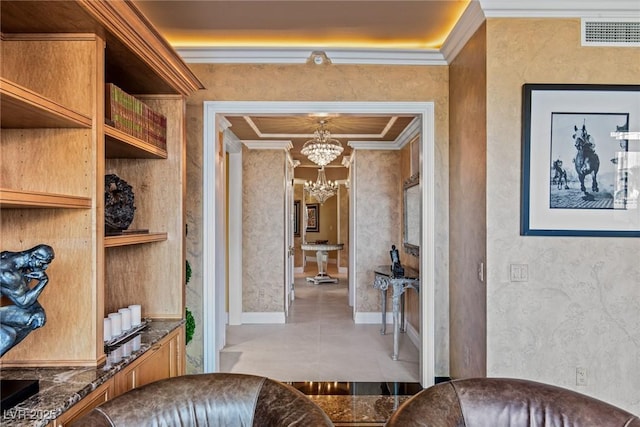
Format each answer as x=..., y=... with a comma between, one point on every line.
x=409, y=133
x=239, y=55
x=230, y=55
x=293, y=162
x=467, y=25
x=268, y=145
x=471, y=19
x=559, y=8
x=386, y=56
x=373, y=145
x=261, y=134
x=232, y=143
x=223, y=124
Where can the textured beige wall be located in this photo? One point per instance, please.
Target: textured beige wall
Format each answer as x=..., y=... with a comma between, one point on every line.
x=581, y=305
x=378, y=209
x=467, y=209
x=263, y=230
x=250, y=82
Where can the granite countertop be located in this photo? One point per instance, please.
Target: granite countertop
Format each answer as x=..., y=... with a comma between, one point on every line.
x=61, y=388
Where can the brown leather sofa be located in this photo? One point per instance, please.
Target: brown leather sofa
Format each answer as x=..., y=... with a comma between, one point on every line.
x=498, y=402
x=213, y=400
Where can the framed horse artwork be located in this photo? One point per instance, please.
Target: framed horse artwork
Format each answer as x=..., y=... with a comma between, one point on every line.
x=580, y=160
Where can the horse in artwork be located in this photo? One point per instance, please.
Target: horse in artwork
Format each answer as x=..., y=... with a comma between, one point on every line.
x=586, y=161
x=560, y=175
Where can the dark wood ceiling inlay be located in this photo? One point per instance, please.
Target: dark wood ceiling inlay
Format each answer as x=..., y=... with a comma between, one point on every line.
x=299, y=129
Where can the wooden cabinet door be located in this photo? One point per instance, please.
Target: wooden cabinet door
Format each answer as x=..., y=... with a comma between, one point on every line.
x=152, y=366
x=162, y=361
x=155, y=367
x=100, y=395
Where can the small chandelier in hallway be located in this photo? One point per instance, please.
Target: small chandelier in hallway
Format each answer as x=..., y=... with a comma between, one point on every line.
x=322, y=149
x=321, y=190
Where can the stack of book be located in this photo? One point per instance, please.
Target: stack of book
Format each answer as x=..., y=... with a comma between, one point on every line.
x=128, y=114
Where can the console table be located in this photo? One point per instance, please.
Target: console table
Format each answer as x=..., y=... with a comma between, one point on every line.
x=322, y=250
x=384, y=278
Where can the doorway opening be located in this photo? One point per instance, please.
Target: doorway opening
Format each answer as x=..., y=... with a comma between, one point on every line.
x=214, y=227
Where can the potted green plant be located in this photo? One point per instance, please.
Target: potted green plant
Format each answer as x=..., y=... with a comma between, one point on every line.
x=190, y=325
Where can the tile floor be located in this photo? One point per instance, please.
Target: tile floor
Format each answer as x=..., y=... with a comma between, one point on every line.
x=320, y=342
x=345, y=368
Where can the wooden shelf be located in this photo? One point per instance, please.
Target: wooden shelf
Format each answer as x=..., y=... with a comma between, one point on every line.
x=133, y=239
x=23, y=108
x=120, y=145
x=30, y=199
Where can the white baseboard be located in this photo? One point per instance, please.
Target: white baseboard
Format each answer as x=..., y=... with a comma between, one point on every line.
x=263, y=318
x=298, y=270
x=343, y=270
x=371, y=318
x=414, y=335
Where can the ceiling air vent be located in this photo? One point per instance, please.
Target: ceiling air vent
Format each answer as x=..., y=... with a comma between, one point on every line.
x=611, y=32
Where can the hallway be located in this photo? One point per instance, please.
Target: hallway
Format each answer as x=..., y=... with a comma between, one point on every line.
x=320, y=342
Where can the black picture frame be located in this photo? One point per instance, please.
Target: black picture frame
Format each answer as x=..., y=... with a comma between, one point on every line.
x=313, y=218
x=296, y=218
x=591, y=126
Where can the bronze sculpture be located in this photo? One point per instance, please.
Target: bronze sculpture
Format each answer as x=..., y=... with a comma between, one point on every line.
x=396, y=266
x=17, y=270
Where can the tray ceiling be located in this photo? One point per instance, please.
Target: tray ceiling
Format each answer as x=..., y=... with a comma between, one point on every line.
x=382, y=129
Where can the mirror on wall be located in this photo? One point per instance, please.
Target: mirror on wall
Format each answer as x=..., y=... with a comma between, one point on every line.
x=412, y=214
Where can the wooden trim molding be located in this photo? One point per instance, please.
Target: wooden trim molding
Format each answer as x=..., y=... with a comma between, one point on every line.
x=125, y=21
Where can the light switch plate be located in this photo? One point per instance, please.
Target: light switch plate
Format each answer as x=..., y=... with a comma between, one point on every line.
x=519, y=272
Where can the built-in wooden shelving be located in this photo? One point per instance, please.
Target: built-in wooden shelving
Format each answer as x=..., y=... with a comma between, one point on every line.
x=30, y=199
x=23, y=108
x=133, y=239
x=56, y=149
x=120, y=145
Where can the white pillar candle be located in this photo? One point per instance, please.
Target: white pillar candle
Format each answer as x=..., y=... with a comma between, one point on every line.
x=116, y=324
x=106, y=329
x=126, y=349
x=136, y=342
x=115, y=355
x=126, y=318
x=136, y=314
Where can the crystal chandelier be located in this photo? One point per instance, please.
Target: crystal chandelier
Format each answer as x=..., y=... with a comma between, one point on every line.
x=322, y=189
x=322, y=149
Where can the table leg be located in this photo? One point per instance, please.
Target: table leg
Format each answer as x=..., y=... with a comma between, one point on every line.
x=320, y=262
x=383, y=325
x=396, y=324
x=322, y=276
x=403, y=327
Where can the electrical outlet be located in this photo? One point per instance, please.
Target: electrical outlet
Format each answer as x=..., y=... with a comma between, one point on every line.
x=581, y=376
